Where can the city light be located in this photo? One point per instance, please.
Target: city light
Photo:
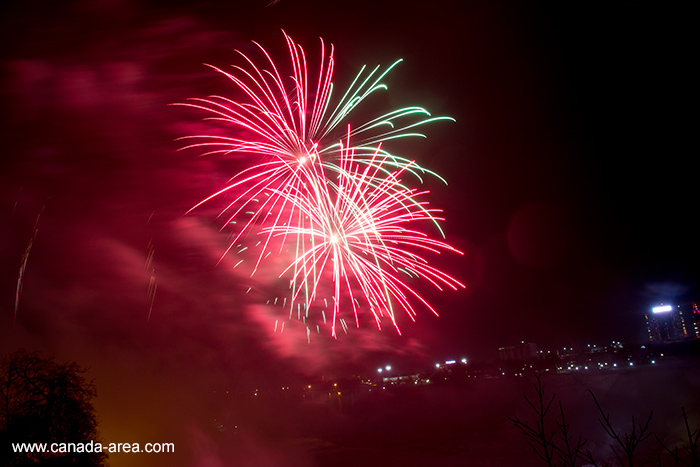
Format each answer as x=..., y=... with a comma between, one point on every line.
x=661, y=309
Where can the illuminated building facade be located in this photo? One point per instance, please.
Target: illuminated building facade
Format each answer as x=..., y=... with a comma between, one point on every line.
x=691, y=317
x=666, y=323
x=518, y=352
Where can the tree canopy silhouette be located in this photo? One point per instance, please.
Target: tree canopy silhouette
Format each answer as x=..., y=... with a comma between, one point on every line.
x=42, y=401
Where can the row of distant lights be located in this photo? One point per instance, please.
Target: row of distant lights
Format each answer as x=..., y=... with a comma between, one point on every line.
x=464, y=360
x=451, y=362
x=602, y=365
x=614, y=343
x=437, y=365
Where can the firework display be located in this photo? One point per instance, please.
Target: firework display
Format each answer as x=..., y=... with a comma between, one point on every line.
x=327, y=186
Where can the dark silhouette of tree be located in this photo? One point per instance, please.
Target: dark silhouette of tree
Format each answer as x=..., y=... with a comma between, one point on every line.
x=688, y=455
x=626, y=442
x=555, y=445
x=42, y=401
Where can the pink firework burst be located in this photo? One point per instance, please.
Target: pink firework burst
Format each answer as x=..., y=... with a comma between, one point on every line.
x=293, y=117
x=363, y=229
x=346, y=209
x=291, y=120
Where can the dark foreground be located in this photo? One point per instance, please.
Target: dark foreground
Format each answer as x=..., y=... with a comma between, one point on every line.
x=457, y=424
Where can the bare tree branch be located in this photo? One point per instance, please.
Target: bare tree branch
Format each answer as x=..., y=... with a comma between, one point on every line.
x=627, y=443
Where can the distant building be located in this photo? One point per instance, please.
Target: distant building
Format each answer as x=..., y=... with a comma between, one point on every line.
x=406, y=379
x=666, y=323
x=691, y=317
x=517, y=352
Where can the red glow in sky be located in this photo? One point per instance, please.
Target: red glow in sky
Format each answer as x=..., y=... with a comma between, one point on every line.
x=566, y=121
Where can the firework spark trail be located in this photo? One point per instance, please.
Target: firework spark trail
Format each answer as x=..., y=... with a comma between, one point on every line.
x=23, y=266
x=152, y=284
x=360, y=228
x=291, y=128
x=344, y=207
x=289, y=123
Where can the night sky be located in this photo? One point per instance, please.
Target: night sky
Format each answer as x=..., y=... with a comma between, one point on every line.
x=571, y=184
